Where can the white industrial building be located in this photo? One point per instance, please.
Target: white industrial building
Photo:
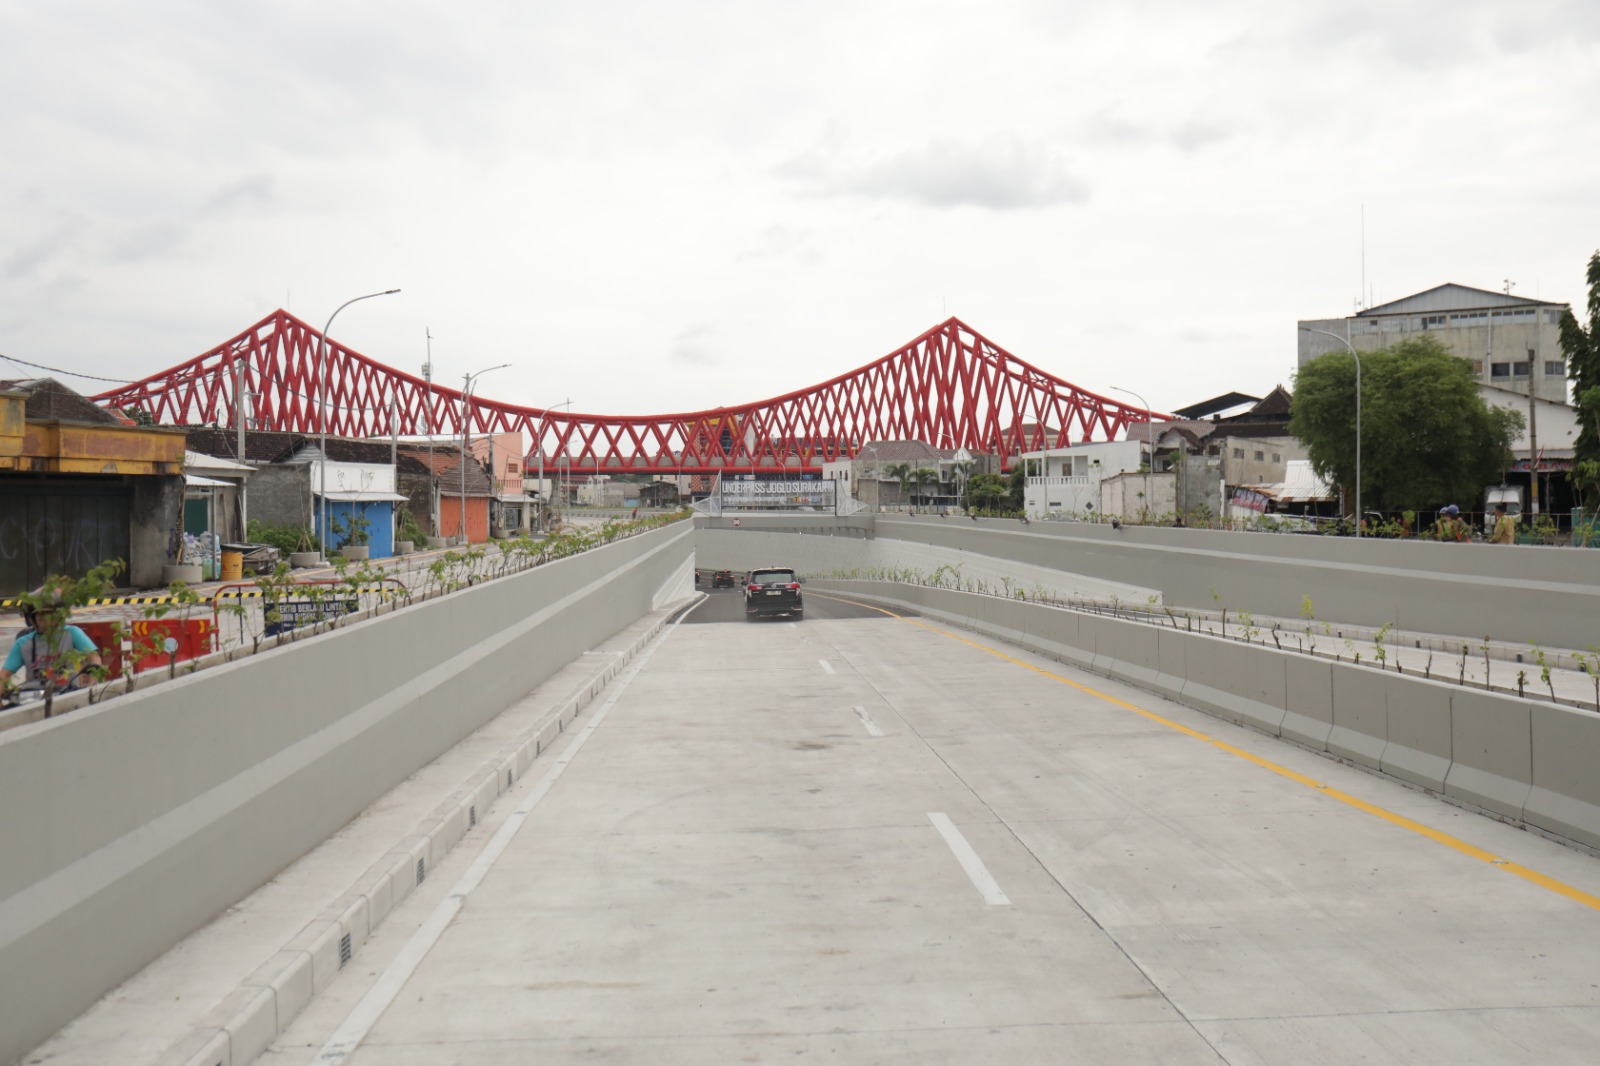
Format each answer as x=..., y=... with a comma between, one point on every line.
x=1511, y=341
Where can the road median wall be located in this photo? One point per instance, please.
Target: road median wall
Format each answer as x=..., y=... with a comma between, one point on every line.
x=1520, y=759
x=131, y=824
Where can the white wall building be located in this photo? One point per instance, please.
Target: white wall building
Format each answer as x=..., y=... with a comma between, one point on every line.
x=1068, y=480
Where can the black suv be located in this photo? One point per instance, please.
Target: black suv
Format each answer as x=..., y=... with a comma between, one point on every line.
x=722, y=579
x=772, y=590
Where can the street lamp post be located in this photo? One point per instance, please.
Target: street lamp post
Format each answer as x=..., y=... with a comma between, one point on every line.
x=466, y=422
x=1345, y=341
x=322, y=418
x=1152, y=460
x=877, y=487
x=567, y=403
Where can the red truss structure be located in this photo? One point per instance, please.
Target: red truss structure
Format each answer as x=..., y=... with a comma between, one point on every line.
x=951, y=388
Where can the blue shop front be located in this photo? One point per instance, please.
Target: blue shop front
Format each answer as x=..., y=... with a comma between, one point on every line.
x=360, y=499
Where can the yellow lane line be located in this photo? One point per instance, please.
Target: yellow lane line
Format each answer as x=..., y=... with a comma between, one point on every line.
x=1560, y=888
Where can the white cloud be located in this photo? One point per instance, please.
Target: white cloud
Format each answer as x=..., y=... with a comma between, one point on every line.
x=1002, y=173
x=693, y=346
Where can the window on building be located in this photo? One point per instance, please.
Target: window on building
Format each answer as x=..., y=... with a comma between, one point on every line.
x=1259, y=457
x=1433, y=322
x=1554, y=368
x=1080, y=466
x=1238, y=453
x=1477, y=367
x=511, y=466
x=1520, y=370
x=1499, y=370
x=1276, y=457
x=1553, y=317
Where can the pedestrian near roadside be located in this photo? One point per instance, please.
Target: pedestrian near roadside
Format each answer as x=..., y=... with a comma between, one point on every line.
x=1505, y=527
x=1449, y=527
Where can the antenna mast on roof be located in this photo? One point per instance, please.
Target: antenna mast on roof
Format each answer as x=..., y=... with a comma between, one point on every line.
x=1363, y=295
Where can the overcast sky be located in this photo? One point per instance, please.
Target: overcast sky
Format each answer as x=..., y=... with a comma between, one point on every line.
x=651, y=207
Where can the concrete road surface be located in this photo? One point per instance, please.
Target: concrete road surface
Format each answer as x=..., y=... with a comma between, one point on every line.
x=859, y=838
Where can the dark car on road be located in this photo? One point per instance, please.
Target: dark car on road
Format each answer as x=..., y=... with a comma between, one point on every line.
x=722, y=579
x=772, y=590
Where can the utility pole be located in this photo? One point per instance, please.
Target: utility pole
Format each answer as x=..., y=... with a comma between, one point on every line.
x=1533, y=439
x=433, y=486
x=241, y=405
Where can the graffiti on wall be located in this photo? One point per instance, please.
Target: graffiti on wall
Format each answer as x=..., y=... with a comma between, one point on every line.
x=60, y=535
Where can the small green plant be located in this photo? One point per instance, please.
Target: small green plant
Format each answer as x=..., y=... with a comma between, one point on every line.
x=1590, y=664
x=408, y=528
x=1544, y=669
x=1380, y=652
x=350, y=528
x=285, y=538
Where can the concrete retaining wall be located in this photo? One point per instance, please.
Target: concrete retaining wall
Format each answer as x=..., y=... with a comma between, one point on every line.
x=825, y=544
x=1523, y=760
x=1522, y=594
x=131, y=824
x=1528, y=594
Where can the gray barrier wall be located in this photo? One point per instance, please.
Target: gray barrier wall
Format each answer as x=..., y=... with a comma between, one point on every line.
x=130, y=824
x=1520, y=593
x=1520, y=759
x=825, y=544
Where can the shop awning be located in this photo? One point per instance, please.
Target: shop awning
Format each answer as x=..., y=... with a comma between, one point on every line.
x=196, y=481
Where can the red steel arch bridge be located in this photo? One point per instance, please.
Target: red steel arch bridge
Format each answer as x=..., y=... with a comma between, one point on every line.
x=950, y=387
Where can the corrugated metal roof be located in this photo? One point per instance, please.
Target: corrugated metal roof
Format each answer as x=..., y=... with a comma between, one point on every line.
x=1452, y=297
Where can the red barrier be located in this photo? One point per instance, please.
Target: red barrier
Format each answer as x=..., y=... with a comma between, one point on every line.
x=109, y=642
x=192, y=637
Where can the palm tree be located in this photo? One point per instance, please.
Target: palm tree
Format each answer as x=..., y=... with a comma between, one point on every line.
x=901, y=472
x=923, y=475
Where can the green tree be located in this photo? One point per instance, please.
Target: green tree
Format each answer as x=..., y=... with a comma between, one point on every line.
x=923, y=476
x=1582, y=348
x=1016, y=488
x=986, y=491
x=1427, y=436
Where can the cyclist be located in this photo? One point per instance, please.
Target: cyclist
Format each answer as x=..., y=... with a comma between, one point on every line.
x=47, y=649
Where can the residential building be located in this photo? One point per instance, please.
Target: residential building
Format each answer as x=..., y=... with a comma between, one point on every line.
x=501, y=456
x=1555, y=425
x=866, y=476
x=288, y=480
x=215, y=497
x=1191, y=462
x=454, y=486
x=1513, y=342
x=1068, y=480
